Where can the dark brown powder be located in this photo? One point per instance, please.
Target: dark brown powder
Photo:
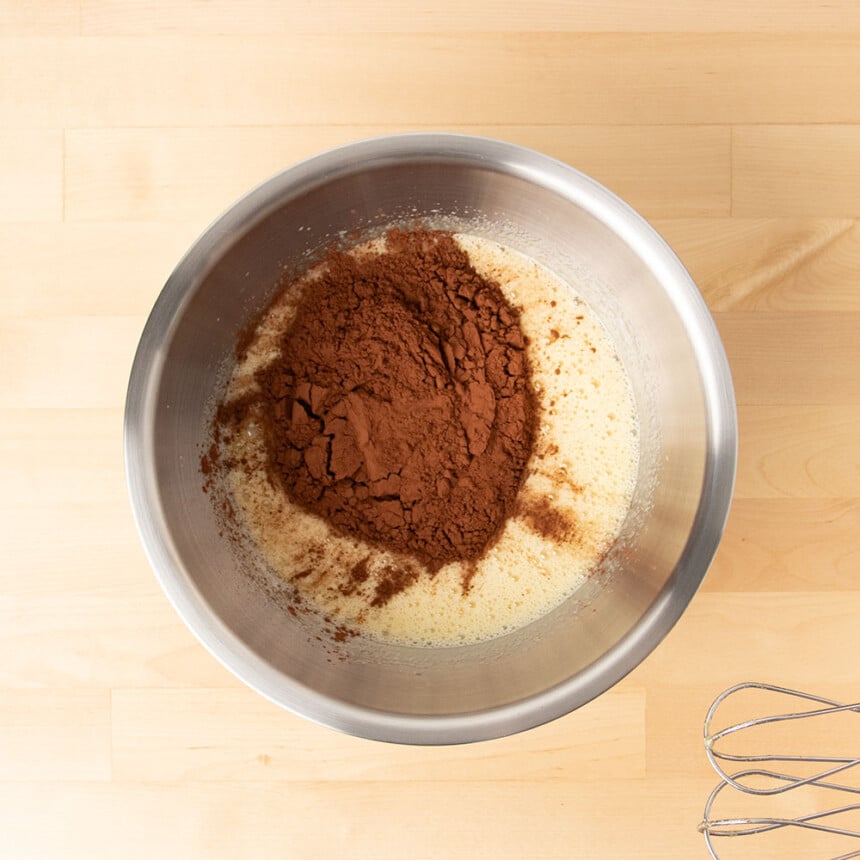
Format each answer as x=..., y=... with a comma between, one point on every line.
x=392, y=580
x=357, y=574
x=547, y=520
x=400, y=407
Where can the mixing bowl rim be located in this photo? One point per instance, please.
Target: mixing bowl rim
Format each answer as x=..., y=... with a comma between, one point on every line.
x=714, y=500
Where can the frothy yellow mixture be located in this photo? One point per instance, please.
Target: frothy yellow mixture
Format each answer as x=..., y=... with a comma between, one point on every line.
x=582, y=474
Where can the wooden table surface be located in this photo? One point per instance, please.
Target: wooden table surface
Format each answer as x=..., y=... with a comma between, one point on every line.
x=126, y=127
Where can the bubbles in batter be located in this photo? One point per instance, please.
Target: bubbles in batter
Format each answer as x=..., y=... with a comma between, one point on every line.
x=575, y=495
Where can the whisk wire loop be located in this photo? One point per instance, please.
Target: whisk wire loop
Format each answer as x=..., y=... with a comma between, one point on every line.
x=776, y=782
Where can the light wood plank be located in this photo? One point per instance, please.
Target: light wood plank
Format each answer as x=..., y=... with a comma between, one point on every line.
x=96, y=542
x=225, y=735
x=739, y=264
x=796, y=170
x=789, y=545
x=94, y=269
x=55, y=735
x=798, y=451
x=675, y=726
x=793, y=358
x=89, y=590
x=172, y=109
x=770, y=264
x=158, y=174
x=31, y=174
x=39, y=17
x=796, y=639
x=374, y=820
x=147, y=17
x=67, y=362
x=485, y=78
x=99, y=641
x=676, y=719
x=63, y=457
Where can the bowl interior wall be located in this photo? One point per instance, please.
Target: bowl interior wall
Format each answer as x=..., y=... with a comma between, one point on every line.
x=236, y=281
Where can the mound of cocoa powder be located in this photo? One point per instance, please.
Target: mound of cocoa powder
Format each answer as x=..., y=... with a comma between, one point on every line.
x=400, y=406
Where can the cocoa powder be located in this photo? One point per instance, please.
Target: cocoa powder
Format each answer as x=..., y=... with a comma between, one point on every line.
x=400, y=406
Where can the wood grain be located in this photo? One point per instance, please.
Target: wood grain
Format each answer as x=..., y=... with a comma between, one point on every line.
x=187, y=17
x=133, y=174
x=100, y=559
x=528, y=78
x=792, y=638
x=301, y=820
x=100, y=641
x=96, y=356
x=790, y=544
x=62, y=457
x=74, y=269
x=39, y=18
x=796, y=170
x=798, y=451
x=31, y=180
x=225, y=735
x=126, y=126
x=770, y=264
x=764, y=349
x=55, y=735
x=675, y=716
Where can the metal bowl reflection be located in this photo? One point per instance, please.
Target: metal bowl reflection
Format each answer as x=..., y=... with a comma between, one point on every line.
x=663, y=333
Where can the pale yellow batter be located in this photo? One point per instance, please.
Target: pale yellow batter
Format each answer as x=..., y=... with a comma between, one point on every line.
x=583, y=468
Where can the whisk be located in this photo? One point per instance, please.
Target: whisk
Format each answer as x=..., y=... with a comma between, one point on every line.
x=762, y=781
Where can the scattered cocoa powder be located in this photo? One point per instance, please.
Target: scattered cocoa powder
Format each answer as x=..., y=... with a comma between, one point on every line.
x=393, y=579
x=357, y=574
x=545, y=519
x=400, y=406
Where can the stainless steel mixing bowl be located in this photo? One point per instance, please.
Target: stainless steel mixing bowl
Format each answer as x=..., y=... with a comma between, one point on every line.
x=664, y=336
